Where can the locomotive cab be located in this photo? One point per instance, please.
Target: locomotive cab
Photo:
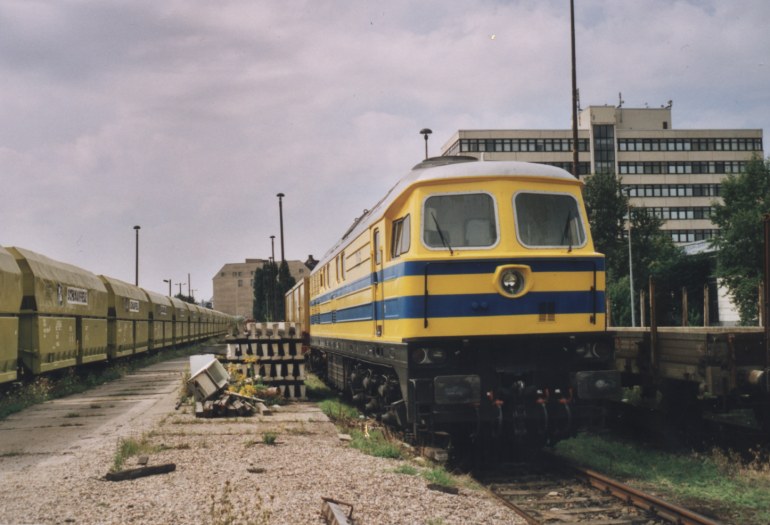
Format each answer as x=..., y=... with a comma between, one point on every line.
x=469, y=300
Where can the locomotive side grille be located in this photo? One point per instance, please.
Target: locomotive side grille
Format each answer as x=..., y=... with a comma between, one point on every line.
x=546, y=311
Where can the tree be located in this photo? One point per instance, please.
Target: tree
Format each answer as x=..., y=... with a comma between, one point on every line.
x=606, y=206
x=186, y=298
x=739, y=241
x=285, y=283
x=264, y=292
x=271, y=282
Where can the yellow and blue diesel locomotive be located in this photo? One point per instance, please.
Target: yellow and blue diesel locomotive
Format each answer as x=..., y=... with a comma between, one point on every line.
x=469, y=300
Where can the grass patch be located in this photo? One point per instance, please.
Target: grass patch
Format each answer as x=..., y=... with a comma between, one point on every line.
x=339, y=412
x=129, y=447
x=735, y=490
x=317, y=390
x=268, y=438
x=439, y=476
x=375, y=443
x=407, y=470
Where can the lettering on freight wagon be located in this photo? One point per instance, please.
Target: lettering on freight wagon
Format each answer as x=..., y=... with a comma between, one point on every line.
x=77, y=296
x=131, y=305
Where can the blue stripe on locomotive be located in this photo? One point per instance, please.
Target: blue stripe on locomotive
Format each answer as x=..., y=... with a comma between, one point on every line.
x=465, y=305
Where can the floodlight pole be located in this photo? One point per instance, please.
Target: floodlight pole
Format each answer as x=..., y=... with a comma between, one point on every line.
x=425, y=132
x=136, y=264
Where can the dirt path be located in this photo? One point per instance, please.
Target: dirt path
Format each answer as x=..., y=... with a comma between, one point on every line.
x=53, y=458
x=52, y=433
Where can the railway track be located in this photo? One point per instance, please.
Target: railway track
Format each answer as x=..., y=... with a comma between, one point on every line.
x=552, y=491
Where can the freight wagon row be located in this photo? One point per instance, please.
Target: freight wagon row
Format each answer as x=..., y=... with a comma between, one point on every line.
x=55, y=315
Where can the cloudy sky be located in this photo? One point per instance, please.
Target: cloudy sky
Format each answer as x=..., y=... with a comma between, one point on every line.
x=188, y=117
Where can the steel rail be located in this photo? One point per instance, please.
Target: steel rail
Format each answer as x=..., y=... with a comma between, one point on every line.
x=668, y=511
x=653, y=505
x=531, y=520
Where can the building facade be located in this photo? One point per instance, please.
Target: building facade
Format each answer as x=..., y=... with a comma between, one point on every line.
x=234, y=285
x=675, y=174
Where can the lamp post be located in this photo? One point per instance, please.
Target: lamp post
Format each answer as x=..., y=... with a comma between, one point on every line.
x=169, y=286
x=425, y=132
x=280, y=214
x=136, y=265
x=575, y=155
x=272, y=247
x=630, y=264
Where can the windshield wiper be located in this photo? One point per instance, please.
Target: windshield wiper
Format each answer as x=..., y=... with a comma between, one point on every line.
x=566, y=235
x=441, y=234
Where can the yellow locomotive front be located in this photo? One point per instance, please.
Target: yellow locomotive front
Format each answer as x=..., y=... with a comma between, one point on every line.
x=475, y=303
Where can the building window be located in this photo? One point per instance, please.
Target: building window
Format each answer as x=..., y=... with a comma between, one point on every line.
x=604, y=148
x=516, y=145
x=690, y=144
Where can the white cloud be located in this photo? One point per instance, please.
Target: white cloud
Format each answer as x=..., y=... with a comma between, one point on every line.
x=188, y=118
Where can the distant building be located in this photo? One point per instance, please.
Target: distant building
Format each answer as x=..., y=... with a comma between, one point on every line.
x=234, y=285
x=676, y=174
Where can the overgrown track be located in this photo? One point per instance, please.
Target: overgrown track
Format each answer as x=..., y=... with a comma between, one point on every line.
x=551, y=491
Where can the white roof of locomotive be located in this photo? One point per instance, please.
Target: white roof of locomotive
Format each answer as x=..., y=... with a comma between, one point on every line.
x=425, y=171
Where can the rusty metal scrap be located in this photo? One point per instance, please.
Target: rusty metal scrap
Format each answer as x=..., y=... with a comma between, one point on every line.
x=333, y=513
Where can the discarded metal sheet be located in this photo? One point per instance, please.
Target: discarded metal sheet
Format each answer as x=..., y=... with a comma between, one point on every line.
x=333, y=513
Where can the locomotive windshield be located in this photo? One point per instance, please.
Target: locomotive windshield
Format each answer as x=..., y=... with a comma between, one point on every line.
x=548, y=220
x=459, y=220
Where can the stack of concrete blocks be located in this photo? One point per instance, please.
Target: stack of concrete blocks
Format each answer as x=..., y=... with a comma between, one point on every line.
x=271, y=353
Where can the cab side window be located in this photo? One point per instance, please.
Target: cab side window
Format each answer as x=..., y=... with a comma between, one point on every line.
x=401, y=237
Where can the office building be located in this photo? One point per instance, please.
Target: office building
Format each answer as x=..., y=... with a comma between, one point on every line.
x=676, y=174
x=234, y=285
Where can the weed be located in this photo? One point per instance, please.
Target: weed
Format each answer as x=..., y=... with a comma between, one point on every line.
x=268, y=438
x=439, y=476
x=719, y=480
x=224, y=511
x=318, y=390
x=338, y=411
x=128, y=447
x=408, y=470
x=72, y=414
x=375, y=443
x=299, y=431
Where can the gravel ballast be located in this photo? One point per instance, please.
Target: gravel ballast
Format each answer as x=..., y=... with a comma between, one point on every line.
x=225, y=473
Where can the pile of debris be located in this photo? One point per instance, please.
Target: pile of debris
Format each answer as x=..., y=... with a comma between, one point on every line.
x=209, y=388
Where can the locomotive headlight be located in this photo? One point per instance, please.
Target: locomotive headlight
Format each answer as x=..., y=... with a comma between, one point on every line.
x=437, y=355
x=428, y=356
x=512, y=281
